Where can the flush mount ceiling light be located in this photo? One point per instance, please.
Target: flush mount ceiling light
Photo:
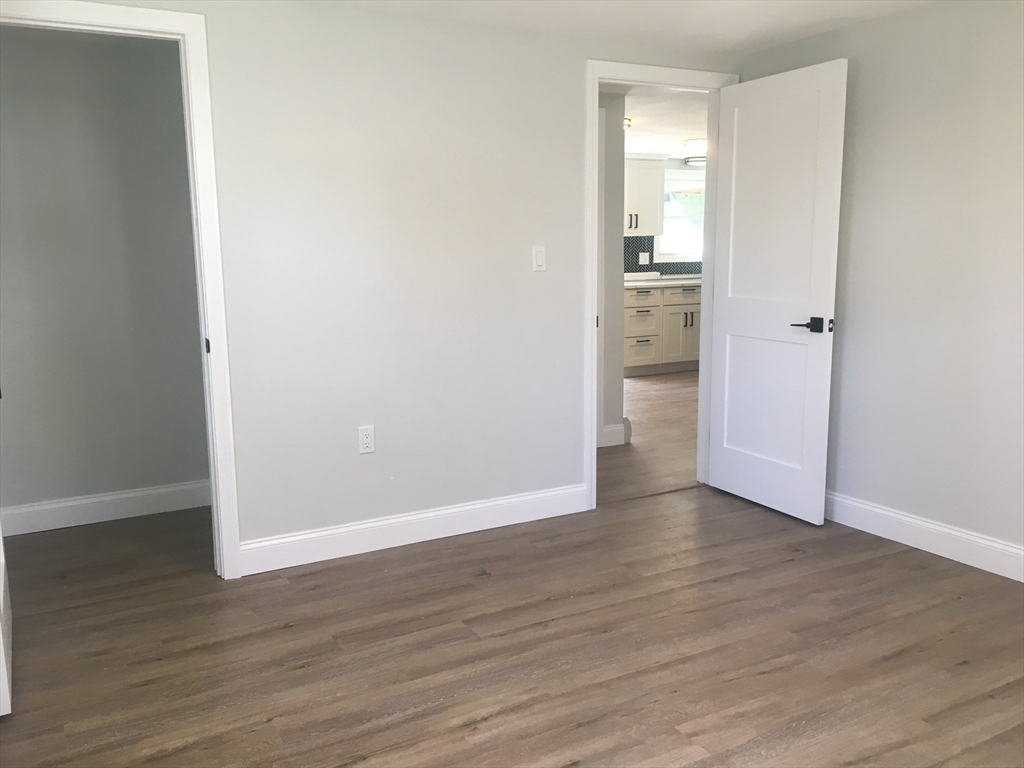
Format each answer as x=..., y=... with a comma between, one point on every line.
x=626, y=122
x=698, y=161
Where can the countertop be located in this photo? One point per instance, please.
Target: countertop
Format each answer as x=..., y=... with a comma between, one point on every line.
x=666, y=281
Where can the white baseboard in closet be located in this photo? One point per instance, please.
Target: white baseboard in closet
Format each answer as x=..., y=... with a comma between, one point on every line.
x=100, y=507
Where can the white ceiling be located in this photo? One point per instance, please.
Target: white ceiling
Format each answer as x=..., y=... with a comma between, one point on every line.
x=661, y=120
x=706, y=26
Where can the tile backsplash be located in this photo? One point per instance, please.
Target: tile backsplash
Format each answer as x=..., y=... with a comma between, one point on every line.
x=634, y=246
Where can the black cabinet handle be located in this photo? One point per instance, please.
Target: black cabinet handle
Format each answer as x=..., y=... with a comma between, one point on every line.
x=637, y=221
x=643, y=311
x=686, y=319
x=691, y=319
x=643, y=341
x=639, y=292
x=815, y=325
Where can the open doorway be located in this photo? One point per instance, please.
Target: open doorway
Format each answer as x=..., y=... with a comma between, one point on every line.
x=108, y=409
x=653, y=163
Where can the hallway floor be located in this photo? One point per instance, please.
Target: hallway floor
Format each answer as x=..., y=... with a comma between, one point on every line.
x=663, y=453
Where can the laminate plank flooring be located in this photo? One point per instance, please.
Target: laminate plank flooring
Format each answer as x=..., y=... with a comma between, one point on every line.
x=688, y=628
x=662, y=455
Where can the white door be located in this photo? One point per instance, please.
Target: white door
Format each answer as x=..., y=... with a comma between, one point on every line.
x=777, y=226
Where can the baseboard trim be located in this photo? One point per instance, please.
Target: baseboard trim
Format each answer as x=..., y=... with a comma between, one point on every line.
x=985, y=552
x=101, y=507
x=614, y=434
x=275, y=552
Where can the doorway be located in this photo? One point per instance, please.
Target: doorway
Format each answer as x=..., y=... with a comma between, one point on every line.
x=649, y=295
x=655, y=149
x=185, y=34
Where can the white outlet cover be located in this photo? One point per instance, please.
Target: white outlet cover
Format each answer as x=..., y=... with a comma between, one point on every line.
x=366, y=439
x=645, y=258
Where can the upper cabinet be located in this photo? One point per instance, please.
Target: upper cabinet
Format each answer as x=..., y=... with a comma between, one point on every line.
x=645, y=197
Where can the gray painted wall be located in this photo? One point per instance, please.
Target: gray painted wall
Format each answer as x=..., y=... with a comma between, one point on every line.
x=927, y=412
x=381, y=181
x=100, y=357
x=614, y=203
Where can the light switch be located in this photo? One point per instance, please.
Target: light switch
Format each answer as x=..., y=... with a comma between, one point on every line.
x=645, y=258
x=540, y=260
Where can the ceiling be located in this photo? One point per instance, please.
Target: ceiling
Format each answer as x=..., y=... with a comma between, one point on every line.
x=661, y=120
x=727, y=27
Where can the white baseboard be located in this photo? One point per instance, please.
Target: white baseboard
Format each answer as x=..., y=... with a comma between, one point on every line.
x=100, y=507
x=964, y=546
x=274, y=552
x=614, y=434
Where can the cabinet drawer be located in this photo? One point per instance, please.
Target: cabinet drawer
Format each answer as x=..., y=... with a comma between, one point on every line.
x=642, y=321
x=681, y=295
x=644, y=350
x=643, y=297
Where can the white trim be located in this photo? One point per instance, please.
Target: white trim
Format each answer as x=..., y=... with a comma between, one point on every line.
x=612, y=434
x=100, y=507
x=633, y=74
x=985, y=552
x=189, y=29
x=274, y=552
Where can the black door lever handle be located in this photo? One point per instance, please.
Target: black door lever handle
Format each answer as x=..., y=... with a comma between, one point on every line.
x=816, y=325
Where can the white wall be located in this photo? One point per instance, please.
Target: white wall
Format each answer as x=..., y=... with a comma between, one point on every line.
x=381, y=182
x=927, y=414
x=614, y=161
x=100, y=356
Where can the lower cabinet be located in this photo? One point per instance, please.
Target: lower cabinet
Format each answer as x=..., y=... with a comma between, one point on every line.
x=662, y=326
x=680, y=333
x=645, y=350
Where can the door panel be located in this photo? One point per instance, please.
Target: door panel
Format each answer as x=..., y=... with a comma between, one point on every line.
x=780, y=165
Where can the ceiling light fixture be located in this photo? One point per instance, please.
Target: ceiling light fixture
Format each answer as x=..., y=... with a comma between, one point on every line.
x=696, y=162
x=626, y=122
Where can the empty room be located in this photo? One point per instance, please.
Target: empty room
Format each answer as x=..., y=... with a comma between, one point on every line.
x=662, y=404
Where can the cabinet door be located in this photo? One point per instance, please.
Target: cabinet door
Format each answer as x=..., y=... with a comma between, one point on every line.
x=692, y=335
x=645, y=197
x=649, y=205
x=673, y=334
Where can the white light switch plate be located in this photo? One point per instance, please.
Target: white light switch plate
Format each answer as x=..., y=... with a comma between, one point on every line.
x=645, y=258
x=540, y=259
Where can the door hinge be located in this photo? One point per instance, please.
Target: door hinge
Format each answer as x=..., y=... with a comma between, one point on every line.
x=831, y=324
x=207, y=346
x=598, y=321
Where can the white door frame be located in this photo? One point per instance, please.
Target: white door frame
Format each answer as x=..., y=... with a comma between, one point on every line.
x=189, y=30
x=639, y=74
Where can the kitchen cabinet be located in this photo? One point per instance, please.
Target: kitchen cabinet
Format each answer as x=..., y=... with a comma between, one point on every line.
x=681, y=333
x=662, y=325
x=645, y=198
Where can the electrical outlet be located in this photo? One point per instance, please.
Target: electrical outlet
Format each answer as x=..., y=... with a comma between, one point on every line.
x=366, y=439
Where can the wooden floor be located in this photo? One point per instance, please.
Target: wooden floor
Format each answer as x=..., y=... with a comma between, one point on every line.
x=690, y=628
x=663, y=453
